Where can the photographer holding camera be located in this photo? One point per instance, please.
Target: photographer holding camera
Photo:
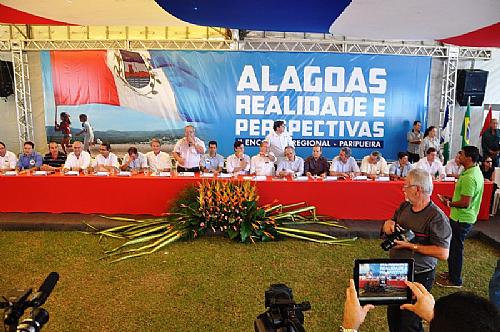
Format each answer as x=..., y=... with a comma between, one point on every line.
x=431, y=240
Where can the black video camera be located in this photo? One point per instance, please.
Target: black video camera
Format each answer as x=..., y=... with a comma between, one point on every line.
x=16, y=304
x=400, y=234
x=283, y=314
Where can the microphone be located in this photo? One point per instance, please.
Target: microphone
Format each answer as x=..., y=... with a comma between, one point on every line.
x=45, y=289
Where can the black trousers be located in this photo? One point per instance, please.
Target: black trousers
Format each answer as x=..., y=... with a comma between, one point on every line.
x=404, y=320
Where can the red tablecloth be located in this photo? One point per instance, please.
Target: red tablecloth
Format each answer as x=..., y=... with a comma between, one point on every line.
x=358, y=200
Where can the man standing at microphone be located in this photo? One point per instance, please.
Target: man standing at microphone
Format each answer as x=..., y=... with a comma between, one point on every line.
x=188, y=151
x=278, y=140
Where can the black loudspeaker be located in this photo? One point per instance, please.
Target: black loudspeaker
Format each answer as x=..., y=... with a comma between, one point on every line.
x=471, y=83
x=6, y=78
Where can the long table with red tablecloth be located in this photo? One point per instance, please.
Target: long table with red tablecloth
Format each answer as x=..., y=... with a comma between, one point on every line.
x=139, y=194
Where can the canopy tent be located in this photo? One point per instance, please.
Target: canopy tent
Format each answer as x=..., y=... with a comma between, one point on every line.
x=459, y=22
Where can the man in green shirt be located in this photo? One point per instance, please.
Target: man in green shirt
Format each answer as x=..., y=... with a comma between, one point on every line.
x=464, y=208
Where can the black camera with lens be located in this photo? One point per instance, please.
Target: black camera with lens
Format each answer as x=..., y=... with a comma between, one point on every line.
x=15, y=304
x=400, y=234
x=282, y=314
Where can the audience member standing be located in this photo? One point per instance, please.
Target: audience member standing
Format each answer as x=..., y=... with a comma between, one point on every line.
x=430, y=141
x=278, y=140
x=188, y=151
x=414, y=138
x=490, y=142
x=465, y=205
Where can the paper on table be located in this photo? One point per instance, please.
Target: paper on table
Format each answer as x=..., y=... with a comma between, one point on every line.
x=331, y=178
x=382, y=178
x=125, y=173
x=301, y=178
x=207, y=175
x=72, y=173
x=225, y=175
x=40, y=173
x=10, y=173
x=102, y=173
x=186, y=173
x=449, y=179
x=164, y=174
x=360, y=178
x=260, y=178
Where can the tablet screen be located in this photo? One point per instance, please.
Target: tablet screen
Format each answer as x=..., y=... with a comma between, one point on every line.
x=382, y=281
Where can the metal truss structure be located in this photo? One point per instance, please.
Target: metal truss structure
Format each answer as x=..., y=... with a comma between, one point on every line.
x=22, y=96
x=448, y=93
x=450, y=54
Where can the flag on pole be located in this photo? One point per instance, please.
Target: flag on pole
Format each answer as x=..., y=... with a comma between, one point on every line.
x=445, y=137
x=466, y=126
x=487, y=121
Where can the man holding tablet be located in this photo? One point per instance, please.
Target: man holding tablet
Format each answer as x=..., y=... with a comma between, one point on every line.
x=431, y=242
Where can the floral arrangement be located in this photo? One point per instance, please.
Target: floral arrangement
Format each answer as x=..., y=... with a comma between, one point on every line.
x=218, y=206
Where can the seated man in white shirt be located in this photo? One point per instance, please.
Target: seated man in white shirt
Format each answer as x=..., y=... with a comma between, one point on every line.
x=453, y=167
x=263, y=163
x=344, y=165
x=374, y=165
x=292, y=165
x=106, y=160
x=77, y=160
x=8, y=160
x=134, y=161
x=158, y=160
x=239, y=162
x=431, y=164
x=212, y=162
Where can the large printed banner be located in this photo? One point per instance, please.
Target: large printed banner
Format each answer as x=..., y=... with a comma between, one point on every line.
x=366, y=102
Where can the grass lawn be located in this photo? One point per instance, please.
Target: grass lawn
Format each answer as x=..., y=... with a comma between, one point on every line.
x=210, y=284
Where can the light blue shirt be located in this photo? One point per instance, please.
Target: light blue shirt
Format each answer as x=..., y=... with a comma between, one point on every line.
x=29, y=161
x=396, y=169
x=211, y=163
x=297, y=165
x=349, y=166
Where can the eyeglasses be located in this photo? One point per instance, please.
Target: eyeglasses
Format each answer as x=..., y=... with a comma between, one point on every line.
x=406, y=186
x=488, y=161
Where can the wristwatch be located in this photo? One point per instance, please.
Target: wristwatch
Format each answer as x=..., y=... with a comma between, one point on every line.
x=343, y=329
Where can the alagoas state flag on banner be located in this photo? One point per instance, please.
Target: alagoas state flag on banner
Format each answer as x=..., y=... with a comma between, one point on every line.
x=119, y=78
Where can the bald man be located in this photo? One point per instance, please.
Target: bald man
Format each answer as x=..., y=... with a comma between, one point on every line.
x=78, y=159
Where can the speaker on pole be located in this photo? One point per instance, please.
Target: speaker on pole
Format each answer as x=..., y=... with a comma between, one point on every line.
x=6, y=79
x=471, y=83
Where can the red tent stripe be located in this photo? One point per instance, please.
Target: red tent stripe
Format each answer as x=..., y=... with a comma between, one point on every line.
x=484, y=37
x=9, y=15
